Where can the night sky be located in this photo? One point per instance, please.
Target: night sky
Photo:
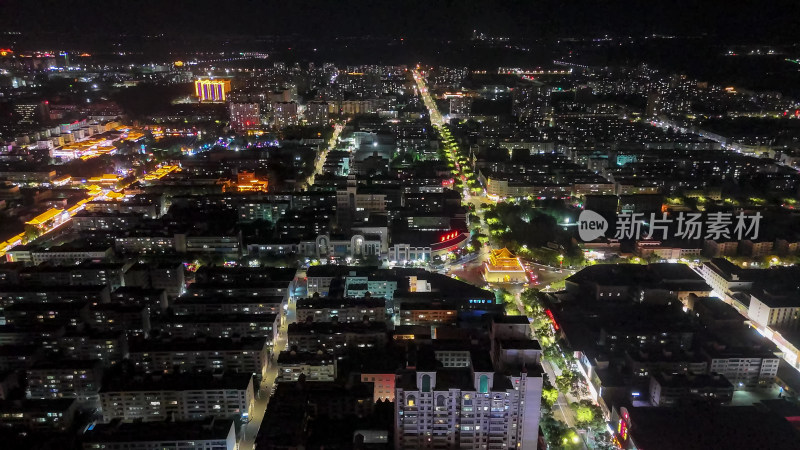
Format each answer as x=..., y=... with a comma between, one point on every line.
x=762, y=21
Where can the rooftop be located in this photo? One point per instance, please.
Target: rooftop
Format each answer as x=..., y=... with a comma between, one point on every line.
x=699, y=427
x=692, y=381
x=197, y=430
x=36, y=406
x=175, y=382
x=209, y=344
x=325, y=302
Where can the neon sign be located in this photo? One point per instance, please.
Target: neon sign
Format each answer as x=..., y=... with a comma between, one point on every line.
x=622, y=429
x=552, y=319
x=449, y=236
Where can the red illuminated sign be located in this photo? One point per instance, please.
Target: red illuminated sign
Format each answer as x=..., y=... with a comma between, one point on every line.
x=622, y=429
x=552, y=319
x=449, y=236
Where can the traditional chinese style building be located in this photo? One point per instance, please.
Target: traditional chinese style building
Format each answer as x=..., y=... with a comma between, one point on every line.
x=248, y=182
x=504, y=267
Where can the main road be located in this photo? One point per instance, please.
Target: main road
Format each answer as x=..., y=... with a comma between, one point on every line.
x=565, y=411
x=337, y=130
x=436, y=117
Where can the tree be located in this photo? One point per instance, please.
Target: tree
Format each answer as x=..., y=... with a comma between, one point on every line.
x=31, y=233
x=589, y=415
x=475, y=243
x=530, y=297
x=553, y=354
x=558, y=435
x=564, y=381
x=511, y=309
x=549, y=394
x=583, y=414
x=503, y=296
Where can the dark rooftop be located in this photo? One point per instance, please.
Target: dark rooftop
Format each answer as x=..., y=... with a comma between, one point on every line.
x=197, y=344
x=175, y=382
x=698, y=427
x=325, y=302
x=118, y=431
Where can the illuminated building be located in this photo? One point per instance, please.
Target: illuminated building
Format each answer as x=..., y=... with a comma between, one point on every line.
x=245, y=116
x=467, y=407
x=183, y=397
x=460, y=105
x=314, y=366
x=450, y=242
x=243, y=355
x=344, y=310
x=285, y=114
x=429, y=314
x=208, y=90
x=317, y=113
x=48, y=219
x=247, y=182
x=504, y=267
x=84, y=149
x=160, y=172
x=108, y=179
x=384, y=384
x=427, y=246
x=32, y=112
x=79, y=379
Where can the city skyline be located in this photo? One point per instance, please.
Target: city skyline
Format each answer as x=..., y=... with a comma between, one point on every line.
x=408, y=225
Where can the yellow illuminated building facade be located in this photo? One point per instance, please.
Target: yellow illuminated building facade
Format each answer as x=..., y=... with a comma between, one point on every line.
x=48, y=219
x=504, y=267
x=212, y=90
x=247, y=182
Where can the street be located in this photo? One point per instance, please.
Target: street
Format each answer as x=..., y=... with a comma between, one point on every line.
x=471, y=271
x=250, y=430
x=324, y=155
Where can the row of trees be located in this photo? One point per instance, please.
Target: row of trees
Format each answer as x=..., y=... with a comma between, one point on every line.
x=588, y=416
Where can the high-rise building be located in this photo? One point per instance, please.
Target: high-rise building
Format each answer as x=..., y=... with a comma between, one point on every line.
x=460, y=106
x=654, y=104
x=284, y=114
x=245, y=116
x=530, y=102
x=212, y=90
x=317, y=113
x=468, y=408
x=31, y=112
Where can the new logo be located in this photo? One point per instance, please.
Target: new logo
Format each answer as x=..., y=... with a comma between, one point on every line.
x=591, y=225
